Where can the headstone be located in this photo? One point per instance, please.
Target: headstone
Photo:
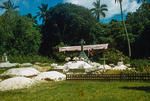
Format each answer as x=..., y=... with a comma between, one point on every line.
x=120, y=62
x=4, y=58
x=104, y=61
x=67, y=59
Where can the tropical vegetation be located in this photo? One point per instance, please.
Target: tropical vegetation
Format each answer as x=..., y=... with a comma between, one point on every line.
x=99, y=9
x=8, y=5
x=24, y=40
x=42, y=14
x=66, y=24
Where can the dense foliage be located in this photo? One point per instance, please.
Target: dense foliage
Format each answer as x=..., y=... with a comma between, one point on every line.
x=18, y=35
x=99, y=10
x=29, y=59
x=113, y=56
x=66, y=24
x=139, y=23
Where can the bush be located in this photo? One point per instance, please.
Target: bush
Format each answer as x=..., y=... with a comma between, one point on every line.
x=60, y=56
x=18, y=35
x=113, y=56
x=113, y=72
x=2, y=70
x=30, y=58
x=67, y=23
x=141, y=65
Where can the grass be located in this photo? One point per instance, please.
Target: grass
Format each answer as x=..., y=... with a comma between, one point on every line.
x=81, y=91
x=2, y=70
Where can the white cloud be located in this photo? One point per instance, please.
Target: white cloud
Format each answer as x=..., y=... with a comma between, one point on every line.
x=113, y=8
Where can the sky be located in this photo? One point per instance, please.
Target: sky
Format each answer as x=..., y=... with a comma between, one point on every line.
x=30, y=6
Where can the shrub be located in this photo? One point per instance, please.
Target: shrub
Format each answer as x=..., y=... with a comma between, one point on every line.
x=141, y=65
x=2, y=70
x=18, y=34
x=113, y=72
x=113, y=56
x=30, y=58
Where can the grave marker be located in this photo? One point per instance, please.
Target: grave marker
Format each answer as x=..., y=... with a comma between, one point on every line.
x=83, y=48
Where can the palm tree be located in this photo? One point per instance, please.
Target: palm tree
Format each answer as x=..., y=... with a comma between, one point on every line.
x=99, y=9
x=42, y=14
x=143, y=1
x=33, y=18
x=124, y=25
x=8, y=5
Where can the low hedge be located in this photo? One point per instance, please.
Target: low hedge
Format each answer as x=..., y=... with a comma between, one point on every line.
x=29, y=59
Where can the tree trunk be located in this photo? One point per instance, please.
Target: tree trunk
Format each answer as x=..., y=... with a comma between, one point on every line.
x=126, y=32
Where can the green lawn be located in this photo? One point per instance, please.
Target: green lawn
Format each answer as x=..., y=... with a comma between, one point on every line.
x=81, y=91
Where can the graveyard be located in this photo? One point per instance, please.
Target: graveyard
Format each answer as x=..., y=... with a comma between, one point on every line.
x=74, y=50
x=28, y=77
x=78, y=77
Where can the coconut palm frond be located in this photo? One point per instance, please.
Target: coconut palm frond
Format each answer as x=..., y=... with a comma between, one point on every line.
x=42, y=14
x=8, y=5
x=98, y=9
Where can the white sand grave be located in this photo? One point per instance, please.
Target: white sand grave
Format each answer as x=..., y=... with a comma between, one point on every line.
x=95, y=64
x=8, y=64
x=106, y=67
x=16, y=83
x=120, y=67
x=77, y=65
x=51, y=75
x=29, y=71
x=26, y=65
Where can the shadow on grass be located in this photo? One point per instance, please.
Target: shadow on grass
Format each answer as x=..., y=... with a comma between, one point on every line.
x=140, y=88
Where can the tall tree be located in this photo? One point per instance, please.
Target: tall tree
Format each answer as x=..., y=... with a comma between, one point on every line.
x=124, y=25
x=18, y=35
x=140, y=29
x=143, y=1
x=42, y=14
x=67, y=23
x=99, y=9
x=8, y=5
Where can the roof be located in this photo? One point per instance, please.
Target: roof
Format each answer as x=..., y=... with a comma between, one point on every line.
x=85, y=47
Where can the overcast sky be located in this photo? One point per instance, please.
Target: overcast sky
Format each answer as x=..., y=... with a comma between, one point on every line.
x=30, y=6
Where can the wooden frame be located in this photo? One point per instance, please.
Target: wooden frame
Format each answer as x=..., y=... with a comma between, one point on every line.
x=85, y=47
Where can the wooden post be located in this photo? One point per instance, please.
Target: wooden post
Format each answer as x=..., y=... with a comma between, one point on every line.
x=82, y=42
x=104, y=61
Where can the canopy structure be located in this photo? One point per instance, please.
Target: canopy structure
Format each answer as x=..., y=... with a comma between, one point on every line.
x=85, y=47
